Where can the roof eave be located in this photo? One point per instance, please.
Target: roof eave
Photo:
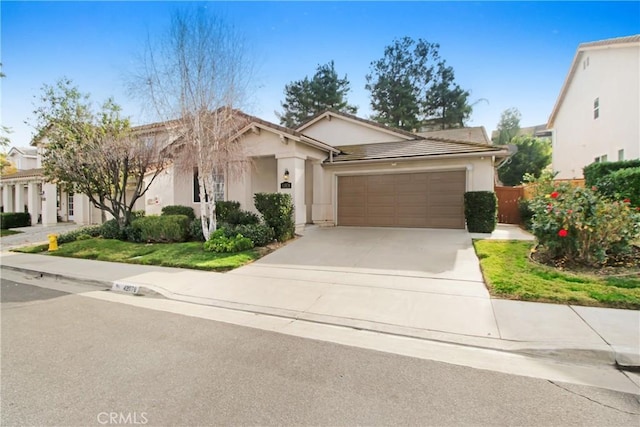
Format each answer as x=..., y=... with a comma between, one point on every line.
x=497, y=154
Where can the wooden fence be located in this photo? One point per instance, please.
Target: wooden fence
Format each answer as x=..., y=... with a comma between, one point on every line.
x=508, y=198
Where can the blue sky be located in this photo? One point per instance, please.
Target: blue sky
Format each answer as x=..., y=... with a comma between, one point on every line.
x=513, y=54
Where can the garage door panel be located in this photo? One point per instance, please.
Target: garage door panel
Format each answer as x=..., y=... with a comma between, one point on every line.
x=386, y=211
x=425, y=199
x=381, y=200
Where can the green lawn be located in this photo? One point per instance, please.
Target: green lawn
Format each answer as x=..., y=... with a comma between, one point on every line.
x=8, y=232
x=510, y=274
x=185, y=255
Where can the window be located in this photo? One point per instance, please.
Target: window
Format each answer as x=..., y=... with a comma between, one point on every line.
x=596, y=108
x=620, y=155
x=601, y=159
x=218, y=179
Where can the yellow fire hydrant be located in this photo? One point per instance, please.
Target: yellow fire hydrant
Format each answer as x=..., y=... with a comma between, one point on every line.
x=53, y=242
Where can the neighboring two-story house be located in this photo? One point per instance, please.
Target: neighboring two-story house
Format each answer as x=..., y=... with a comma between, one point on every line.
x=597, y=115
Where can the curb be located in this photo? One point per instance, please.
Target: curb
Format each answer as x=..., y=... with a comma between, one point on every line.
x=571, y=354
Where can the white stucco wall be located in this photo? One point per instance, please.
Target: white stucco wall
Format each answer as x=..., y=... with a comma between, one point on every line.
x=339, y=131
x=612, y=76
x=161, y=192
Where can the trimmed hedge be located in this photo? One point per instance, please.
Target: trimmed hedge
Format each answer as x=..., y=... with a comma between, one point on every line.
x=111, y=230
x=73, y=235
x=594, y=172
x=14, y=219
x=277, y=213
x=179, y=210
x=195, y=230
x=241, y=217
x=225, y=208
x=480, y=211
x=162, y=229
x=622, y=184
x=259, y=234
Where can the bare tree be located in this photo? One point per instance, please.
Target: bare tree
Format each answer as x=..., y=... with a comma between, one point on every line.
x=96, y=153
x=195, y=79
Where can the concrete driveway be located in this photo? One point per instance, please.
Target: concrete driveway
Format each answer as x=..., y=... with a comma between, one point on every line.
x=418, y=278
x=429, y=253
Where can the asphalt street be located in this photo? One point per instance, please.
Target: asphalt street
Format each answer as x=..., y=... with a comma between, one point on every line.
x=73, y=360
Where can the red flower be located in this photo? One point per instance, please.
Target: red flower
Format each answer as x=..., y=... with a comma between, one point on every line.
x=563, y=233
x=594, y=188
x=554, y=195
x=569, y=211
x=627, y=200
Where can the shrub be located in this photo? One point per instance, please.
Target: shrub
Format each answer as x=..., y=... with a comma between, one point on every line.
x=73, y=235
x=225, y=208
x=14, y=219
x=480, y=211
x=259, y=234
x=220, y=243
x=526, y=213
x=594, y=172
x=111, y=230
x=581, y=225
x=179, y=210
x=195, y=230
x=277, y=213
x=623, y=184
x=241, y=217
x=164, y=228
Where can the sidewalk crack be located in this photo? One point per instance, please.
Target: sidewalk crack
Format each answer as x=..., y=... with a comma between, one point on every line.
x=593, y=400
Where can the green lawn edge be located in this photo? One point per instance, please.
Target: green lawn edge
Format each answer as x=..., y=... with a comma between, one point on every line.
x=189, y=255
x=509, y=273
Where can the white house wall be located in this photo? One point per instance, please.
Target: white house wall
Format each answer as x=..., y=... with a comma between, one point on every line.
x=612, y=76
x=339, y=131
x=161, y=192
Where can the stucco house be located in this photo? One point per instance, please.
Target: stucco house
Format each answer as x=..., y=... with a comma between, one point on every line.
x=339, y=169
x=344, y=170
x=596, y=117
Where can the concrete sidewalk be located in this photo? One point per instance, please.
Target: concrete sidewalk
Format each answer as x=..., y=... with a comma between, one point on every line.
x=421, y=307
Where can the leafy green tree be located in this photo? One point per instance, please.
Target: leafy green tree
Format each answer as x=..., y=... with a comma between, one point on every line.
x=532, y=157
x=94, y=152
x=411, y=86
x=398, y=80
x=307, y=97
x=508, y=126
x=446, y=103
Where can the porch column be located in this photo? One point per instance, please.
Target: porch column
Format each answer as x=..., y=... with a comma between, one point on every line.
x=19, y=197
x=80, y=209
x=321, y=204
x=33, y=202
x=49, y=209
x=7, y=197
x=295, y=166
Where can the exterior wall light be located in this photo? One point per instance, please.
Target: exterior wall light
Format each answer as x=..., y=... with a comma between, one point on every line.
x=286, y=175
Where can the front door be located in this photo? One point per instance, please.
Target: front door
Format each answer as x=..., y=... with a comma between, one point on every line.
x=70, y=207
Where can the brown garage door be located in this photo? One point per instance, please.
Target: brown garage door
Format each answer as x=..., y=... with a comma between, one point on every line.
x=427, y=199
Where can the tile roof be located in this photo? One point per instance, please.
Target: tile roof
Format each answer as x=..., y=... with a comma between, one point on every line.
x=468, y=134
x=28, y=173
x=415, y=148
